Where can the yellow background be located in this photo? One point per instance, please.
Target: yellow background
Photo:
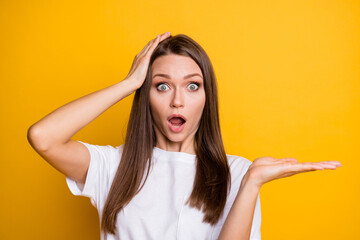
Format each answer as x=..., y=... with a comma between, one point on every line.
x=288, y=74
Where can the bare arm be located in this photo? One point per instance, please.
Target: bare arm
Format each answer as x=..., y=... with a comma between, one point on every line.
x=61, y=124
x=265, y=169
x=239, y=220
x=51, y=135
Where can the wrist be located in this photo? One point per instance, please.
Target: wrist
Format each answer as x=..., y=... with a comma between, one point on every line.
x=250, y=182
x=132, y=84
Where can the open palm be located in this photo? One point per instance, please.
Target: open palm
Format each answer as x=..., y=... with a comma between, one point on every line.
x=265, y=169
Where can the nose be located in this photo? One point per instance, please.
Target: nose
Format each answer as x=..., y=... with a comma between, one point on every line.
x=177, y=99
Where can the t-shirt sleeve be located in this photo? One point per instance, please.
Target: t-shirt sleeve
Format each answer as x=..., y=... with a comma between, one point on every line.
x=97, y=180
x=239, y=168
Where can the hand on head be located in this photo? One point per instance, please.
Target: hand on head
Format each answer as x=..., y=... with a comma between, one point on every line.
x=140, y=64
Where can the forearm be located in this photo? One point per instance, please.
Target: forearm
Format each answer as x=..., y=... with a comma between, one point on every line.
x=239, y=220
x=61, y=124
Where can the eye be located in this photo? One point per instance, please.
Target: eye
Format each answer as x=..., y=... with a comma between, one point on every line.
x=193, y=86
x=161, y=87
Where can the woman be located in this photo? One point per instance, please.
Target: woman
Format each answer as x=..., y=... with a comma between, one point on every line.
x=172, y=178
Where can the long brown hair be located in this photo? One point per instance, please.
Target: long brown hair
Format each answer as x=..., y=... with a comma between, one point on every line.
x=212, y=179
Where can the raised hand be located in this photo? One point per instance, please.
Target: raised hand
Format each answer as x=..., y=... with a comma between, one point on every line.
x=266, y=169
x=262, y=170
x=140, y=64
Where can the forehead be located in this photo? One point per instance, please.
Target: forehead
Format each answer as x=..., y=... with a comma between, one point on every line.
x=175, y=65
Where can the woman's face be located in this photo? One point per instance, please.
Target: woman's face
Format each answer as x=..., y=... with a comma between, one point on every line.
x=177, y=88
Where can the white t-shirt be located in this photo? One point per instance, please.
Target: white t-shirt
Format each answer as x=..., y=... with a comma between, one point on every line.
x=158, y=211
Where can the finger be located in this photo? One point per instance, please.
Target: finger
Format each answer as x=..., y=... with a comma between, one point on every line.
x=288, y=174
x=311, y=164
x=153, y=45
x=285, y=161
x=164, y=35
x=328, y=165
x=146, y=48
x=151, y=42
x=157, y=40
x=290, y=167
x=337, y=163
x=316, y=165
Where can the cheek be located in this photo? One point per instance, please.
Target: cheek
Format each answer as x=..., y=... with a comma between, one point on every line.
x=153, y=101
x=200, y=101
x=197, y=106
x=157, y=107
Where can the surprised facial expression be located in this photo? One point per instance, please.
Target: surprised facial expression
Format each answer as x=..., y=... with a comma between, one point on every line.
x=177, y=88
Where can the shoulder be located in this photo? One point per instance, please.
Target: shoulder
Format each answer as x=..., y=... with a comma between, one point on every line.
x=238, y=167
x=118, y=150
x=104, y=150
x=116, y=153
x=238, y=164
x=105, y=155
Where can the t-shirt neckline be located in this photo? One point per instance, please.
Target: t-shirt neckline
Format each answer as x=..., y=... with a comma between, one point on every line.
x=175, y=155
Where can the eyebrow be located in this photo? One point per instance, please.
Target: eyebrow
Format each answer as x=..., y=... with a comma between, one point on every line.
x=167, y=76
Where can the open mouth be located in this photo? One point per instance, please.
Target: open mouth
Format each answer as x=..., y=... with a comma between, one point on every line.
x=177, y=121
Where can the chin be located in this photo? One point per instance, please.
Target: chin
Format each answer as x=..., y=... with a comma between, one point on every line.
x=175, y=138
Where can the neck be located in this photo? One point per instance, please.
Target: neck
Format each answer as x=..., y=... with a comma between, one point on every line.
x=186, y=146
